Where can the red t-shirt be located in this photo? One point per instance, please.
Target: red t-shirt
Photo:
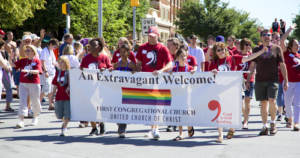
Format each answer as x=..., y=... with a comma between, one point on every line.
x=192, y=61
x=229, y=63
x=186, y=68
x=206, y=63
x=58, y=81
x=26, y=64
x=292, y=61
x=232, y=50
x=117, y=57
x=245, y=67
x=91, y=62
x=153, y=57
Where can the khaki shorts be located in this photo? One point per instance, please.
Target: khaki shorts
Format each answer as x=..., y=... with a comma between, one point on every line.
x=265, y=90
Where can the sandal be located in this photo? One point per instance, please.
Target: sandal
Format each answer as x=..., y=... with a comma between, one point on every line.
x=51, y=108
x=178, y=138
x=191, y=132
x=230, y=134
x=219, y=140
x=9, y=109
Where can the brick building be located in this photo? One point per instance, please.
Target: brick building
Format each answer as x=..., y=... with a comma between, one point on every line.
x=164, y=12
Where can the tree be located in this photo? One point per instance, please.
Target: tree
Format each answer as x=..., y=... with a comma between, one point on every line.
x=212, y=17
x=14, y=12
x=296, y=33
x=117, y=18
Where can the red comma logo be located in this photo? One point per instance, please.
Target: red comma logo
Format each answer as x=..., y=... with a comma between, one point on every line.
x=214, y=105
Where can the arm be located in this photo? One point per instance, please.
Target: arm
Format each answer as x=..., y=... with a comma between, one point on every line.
x=254, y=55
x=252, y=71
x=164, y=69
x=285, y=36
x=44, y=68
x=138, y=65
x=284, y=74
x=202, y=66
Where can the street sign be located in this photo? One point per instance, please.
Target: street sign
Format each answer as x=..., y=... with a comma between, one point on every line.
x=146, y=23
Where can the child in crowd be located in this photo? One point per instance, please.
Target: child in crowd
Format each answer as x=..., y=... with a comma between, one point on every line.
x=181, y=65
x=124, y=65
x=62, y=90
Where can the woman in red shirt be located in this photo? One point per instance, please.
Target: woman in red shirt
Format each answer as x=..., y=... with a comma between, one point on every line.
x=291, y=96
x=223, y=61
x=29, y=84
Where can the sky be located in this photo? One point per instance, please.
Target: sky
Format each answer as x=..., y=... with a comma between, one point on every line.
x=267, y=10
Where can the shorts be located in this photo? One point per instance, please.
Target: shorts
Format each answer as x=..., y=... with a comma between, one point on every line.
x=46, y=83
x=249, y=93
x=63, y=109
x=265, y=90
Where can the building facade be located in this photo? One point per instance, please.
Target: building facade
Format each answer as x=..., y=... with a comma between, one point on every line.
x=164, y=12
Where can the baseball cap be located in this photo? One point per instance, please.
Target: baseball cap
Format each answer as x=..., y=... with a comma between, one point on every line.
x=2, y=32
x=25, y=37
x=153, y=31
x=220, y=38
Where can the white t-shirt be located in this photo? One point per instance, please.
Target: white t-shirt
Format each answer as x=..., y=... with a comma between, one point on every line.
x=199, y=55
x=49, y=59
x=74, y=62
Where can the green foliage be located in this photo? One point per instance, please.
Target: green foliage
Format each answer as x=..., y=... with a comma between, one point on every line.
x=14, y=12
x=296, y=33
x=117, y=18
x=213, y=17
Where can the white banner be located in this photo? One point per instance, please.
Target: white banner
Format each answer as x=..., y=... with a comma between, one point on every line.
x=199, y=99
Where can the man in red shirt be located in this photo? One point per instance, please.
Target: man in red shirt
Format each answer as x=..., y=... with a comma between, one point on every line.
x=96, y=60
x=231, y=45
x=153, y=57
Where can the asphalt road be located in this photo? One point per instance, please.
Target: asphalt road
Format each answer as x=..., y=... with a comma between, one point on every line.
x=44, y=141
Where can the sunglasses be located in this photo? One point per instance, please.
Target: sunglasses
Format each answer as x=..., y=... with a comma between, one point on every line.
x=247, y=44
x=220, y=50
x=266, y=34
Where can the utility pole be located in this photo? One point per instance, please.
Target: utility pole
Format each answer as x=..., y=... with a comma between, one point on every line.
x=100, y=34
x=134, y=25
x=66, y=11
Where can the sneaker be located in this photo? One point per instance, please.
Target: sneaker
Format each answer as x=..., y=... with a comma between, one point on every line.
x=35, y=121
x=102, y=128
x=63, y=132
x=273, y=129
x=30, y=114
x=155, y=134
x=296, y=128
x=122, y=135
x=94, y=131
x=245, y=126
x=81, y=125
x=279, y=118
x=149, y=134
x=169, y=129
x=264, y=131
x=20, y=124
x=286, y=119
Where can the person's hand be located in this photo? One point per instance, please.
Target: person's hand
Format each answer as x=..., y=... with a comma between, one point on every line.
x=285, y=85
x=156, y=72
x=26, y=71
x=247, y=85
x=42, y=33
x=293, y=26
x=214, y=71
x=46, y=74
x=110, y=69
x=193, y=71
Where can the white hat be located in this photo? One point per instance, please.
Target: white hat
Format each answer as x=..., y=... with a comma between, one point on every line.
x=34, y=36
x=25, y=37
